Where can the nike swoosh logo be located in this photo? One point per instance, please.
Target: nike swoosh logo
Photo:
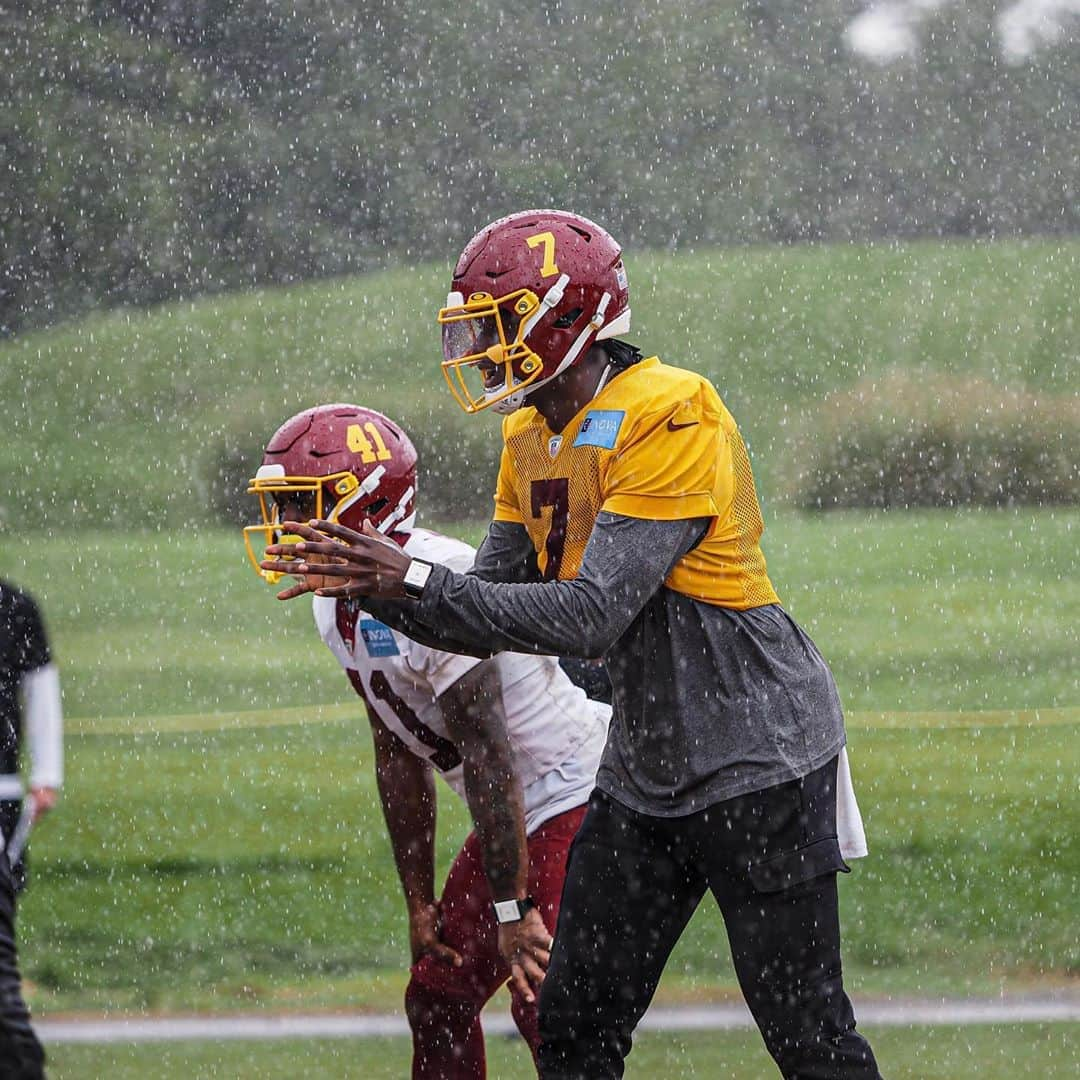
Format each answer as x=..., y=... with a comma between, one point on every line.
x=672, y=426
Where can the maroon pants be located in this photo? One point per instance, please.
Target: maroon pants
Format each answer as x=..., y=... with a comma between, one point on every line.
x=443, y=1003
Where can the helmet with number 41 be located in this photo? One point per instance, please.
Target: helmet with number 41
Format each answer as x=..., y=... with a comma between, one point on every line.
x=531, y=292
x=341, y=463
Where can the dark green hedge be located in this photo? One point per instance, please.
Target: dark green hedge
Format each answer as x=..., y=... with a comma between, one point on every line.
x=918, y=439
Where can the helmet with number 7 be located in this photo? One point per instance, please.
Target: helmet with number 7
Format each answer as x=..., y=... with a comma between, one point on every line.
x=340, y=463
x=531, y=292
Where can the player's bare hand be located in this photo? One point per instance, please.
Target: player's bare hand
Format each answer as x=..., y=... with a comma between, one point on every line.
x=526, y=946
x=311, y=578
x=424, y=937
x=44, y=800
x=363, y=563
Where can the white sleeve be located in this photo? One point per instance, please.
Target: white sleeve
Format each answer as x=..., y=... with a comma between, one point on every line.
x=849, y=824
x=439, y=668
x=44, y=726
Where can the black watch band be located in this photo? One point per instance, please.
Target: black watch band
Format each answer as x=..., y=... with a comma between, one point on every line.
x=512, y=910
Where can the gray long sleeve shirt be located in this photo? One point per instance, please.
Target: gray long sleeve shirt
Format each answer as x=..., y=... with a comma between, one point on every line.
x=709, y=702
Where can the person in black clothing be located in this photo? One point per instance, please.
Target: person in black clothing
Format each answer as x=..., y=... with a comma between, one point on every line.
x=30, y=718
x=21, y=1055
x=29, y=690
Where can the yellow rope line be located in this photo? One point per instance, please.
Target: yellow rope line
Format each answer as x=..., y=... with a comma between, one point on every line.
x=348, y=711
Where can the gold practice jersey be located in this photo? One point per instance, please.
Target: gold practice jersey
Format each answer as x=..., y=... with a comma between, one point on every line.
x=656, y=443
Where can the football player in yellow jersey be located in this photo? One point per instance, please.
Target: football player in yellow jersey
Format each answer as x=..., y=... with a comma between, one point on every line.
x=627, y=527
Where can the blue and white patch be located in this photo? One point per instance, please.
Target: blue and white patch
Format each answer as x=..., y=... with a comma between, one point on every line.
x=378, y=638
x=600, y=428
x=553, y=445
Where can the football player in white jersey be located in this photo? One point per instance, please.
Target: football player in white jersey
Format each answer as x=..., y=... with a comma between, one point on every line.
x=511, y=734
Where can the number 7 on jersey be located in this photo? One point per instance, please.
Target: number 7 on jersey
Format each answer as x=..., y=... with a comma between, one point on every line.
x=556, y=495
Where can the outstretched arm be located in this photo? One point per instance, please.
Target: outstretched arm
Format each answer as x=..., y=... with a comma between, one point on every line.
x=506, y=554
x=625, y=563
x=473, y=709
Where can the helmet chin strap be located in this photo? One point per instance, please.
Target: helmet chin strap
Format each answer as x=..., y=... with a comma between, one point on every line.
x=512, y=402
x=366, y=487
x=406, y=525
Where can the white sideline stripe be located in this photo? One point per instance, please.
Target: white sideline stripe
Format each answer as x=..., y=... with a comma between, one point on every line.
x=931, y=1012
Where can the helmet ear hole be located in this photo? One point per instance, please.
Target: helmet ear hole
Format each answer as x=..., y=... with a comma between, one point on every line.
x=374, y=508
x=564, y=322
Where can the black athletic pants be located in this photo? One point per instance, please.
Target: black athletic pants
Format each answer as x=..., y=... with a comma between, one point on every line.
x=633, y=881
x=21, y=1056
x=10, y=809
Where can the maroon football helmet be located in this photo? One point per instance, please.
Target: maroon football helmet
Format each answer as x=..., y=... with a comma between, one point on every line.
x=341, y=463
x=531, y=293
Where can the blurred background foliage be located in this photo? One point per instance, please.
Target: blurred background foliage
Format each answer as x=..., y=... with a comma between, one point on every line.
x=155, y=149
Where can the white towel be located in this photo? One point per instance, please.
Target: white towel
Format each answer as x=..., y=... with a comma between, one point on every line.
x=849, y=826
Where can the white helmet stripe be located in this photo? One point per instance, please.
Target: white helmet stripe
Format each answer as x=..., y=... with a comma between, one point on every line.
x=551, y=298
x=398, y=512
x=369, y=484
x=572, y=353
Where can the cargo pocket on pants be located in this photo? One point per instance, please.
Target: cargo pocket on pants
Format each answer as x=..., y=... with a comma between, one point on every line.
x=780, y=872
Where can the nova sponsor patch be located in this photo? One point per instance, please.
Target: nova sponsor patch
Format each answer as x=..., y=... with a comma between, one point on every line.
x=600, y=428
x=378, y=638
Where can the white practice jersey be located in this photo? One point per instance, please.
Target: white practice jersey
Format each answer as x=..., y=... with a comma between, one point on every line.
x=556, y=733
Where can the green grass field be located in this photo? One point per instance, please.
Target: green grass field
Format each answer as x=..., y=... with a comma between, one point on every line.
x=1046, y=1051
x=915, y=612
x=220, y=843
x=247, y=866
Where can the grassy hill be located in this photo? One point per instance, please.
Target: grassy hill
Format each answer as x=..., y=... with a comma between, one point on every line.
x=138, y=417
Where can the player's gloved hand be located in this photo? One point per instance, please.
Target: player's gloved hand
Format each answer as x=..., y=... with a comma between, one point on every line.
x=424, y=936
x=363, y=563
x=526, y=946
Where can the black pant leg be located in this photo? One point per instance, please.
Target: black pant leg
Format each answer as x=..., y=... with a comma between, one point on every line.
x=776, y=886
x=10, y=809
x=21, y=1055
x=786, y=949
x=628, y=896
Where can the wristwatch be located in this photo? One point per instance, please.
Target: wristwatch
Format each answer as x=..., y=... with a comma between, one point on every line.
x=416, y=575
x=512, y=910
